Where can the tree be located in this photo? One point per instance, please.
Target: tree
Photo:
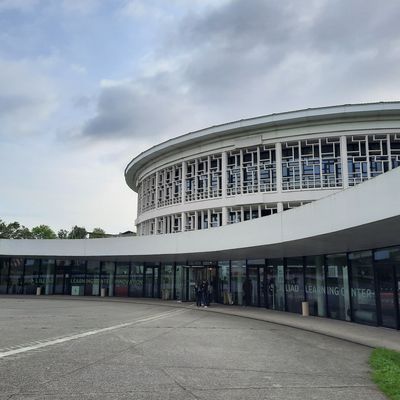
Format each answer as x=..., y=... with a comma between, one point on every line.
x=77, y=232
x=43, y=232
x=97, y=233
x=62, y=234
x=14, y=230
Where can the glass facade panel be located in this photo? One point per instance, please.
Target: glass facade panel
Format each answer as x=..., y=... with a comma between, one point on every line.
x=167, y=281
x=224, y=285
x=4, y=267
x=179, y=280
x=92, y=285
x=46, y=279
x=337, y=287
x=294, y=284
x=315, y=285
x=363, y=288
x=275, y=284
x=136, y=280
x=238, y=276
x=75, y=284
x=31, y=278
x=16, y=279
x=386, y=262
x=62, y=273
x=255, y=273
x=121, y=288
x=107, y=277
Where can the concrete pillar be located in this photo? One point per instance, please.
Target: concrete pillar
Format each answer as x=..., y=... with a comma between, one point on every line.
x=224, y=173
x=183, y=221
x=278, y=158
x=280, y=207
x=184, y=171
x=224, y=216
x=343, y=158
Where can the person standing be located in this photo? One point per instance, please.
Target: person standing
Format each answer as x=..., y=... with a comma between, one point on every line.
x=198, y=294
x=204, y=291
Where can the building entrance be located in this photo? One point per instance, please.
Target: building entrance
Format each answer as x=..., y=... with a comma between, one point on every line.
x=197, y=274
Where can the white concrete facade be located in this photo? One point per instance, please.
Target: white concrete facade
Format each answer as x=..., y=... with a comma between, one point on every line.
x=258, y=167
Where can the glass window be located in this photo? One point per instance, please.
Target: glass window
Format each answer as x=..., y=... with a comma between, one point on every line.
x=92, y=285
x=255, y=273
x=107, y=277
x=122, y=279
x=136, y=280
x=63, y=271
x=238, y=276
x=167, y=280
x=275, y=284
x=179, y=281
x=315, y=285
x=294, y=286
x=16, y=278
x=47, y=268
x=75, y=283
x=224, y=281
x=4, y=266
x=386, y=262
x=337, y=287
x=363, y=288
x=31, y=277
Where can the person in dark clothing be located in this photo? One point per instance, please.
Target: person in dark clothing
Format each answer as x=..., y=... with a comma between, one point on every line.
x=248, y=291
x=198, y=293
x=204, y=291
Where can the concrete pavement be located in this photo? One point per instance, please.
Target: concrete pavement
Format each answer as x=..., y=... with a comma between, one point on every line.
x=58, y=348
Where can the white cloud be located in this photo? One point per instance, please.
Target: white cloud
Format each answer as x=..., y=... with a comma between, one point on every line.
x=27, y=97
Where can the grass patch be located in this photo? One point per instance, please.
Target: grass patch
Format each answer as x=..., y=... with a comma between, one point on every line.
x=386, y=371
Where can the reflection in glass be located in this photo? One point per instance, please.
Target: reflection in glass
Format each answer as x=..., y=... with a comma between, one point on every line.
x=31, y=277
x=276, y=284
x=167, y=279
x=294, y=284
x=92, y=285
x=107, y=277
x=238, y=276
x=255, y=273
x=337, y=287
x=179, y=280
x=363, y=288
x=4, y=266
x=136, y=280
x=386, y=262
x=75, y=284
x=46, y=278
x=315, y=285
x=62, y=273
x=224, y=281
x=121, y=279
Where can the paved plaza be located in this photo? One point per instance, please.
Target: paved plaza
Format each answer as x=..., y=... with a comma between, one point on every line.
x=78, y=349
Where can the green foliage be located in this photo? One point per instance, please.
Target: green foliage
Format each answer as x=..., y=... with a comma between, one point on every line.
x=386, y=371
x=43, y=232
x=14, y=230
x=62, y=234
x=97, y=233
x=77, y=232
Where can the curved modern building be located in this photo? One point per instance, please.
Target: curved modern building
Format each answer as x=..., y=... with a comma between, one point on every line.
x=304, y=205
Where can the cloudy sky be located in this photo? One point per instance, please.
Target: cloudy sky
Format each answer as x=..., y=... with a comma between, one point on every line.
x=85, y=85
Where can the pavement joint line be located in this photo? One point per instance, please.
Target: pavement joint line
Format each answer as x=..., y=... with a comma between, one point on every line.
x=51, y=342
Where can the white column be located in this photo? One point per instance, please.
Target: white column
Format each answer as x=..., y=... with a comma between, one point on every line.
x=209, y=217
x=278, y=158
x=343, y=158
x=196, y=221
x=224, y=215
x=389, y=151
x=183, y=221
x=155, y=226
x=279, y=206
x=367, y=157
x=241, y=213
x=184, y=171
x=224, y=173
x=156, y=191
